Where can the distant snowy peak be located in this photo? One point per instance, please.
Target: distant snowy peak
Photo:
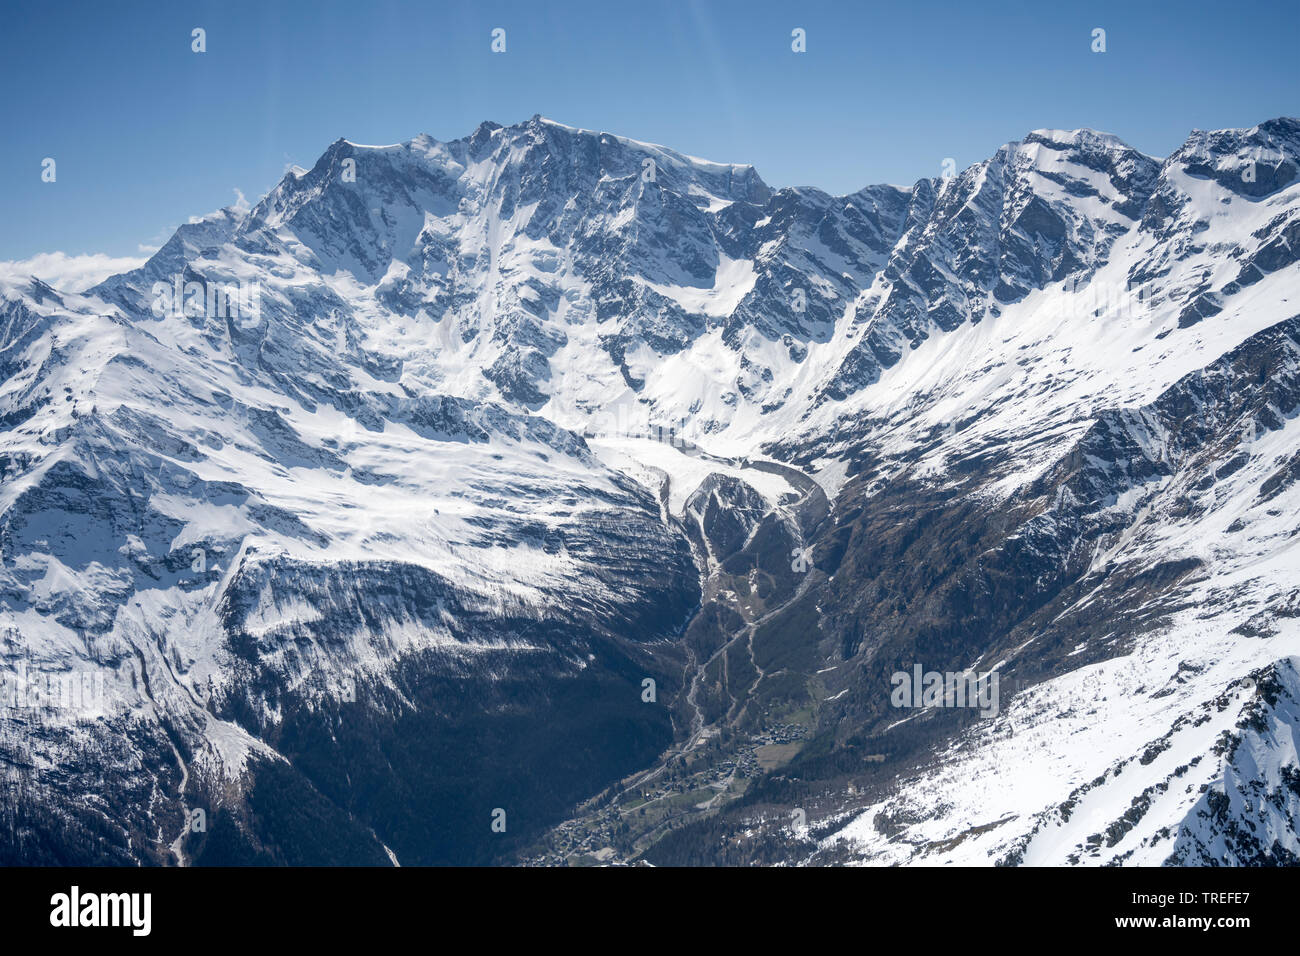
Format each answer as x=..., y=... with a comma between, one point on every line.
x=1082, y=138
x=1061, y=206
x=531, y=159
x=540, y=264
x=1252, y=162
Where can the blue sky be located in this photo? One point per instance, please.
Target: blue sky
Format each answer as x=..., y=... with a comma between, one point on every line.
x=147, y=133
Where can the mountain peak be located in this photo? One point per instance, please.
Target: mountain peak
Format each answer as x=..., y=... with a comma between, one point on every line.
x=1081, y=138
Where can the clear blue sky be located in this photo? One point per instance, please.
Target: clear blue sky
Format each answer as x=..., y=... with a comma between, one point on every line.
x=147, y=133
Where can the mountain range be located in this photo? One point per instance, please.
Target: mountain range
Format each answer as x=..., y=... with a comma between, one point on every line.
x=545, y=496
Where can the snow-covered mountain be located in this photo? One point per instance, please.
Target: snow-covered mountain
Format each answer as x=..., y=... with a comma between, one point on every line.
x=356, y=516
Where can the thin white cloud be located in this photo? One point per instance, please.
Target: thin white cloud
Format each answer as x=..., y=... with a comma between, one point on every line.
x=67, y=273
x=240, y=206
